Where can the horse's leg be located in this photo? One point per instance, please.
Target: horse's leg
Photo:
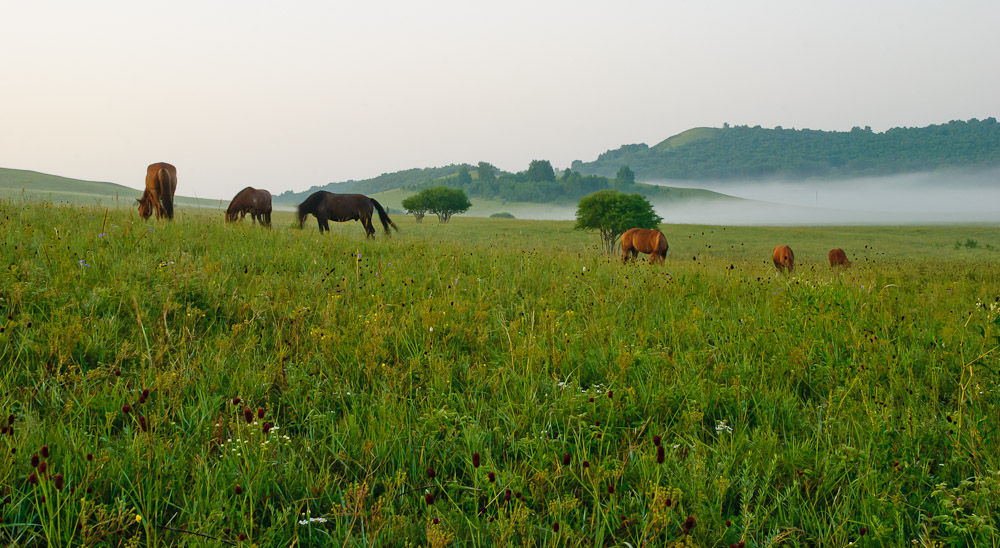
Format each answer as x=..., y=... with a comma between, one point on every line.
x=366, y=220
x=324, y=224
x=268, y=218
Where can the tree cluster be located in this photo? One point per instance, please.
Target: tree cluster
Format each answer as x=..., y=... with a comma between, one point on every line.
x=743, y=152
x=439, y=200
x=611, y=213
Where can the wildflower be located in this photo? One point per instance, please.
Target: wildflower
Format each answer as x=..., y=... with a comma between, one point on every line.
x=307, y=521
x=611, y=394
x=33, y=478
x=429, y=499
x=555, y=526
x=34, y=461
x=242, y=537
x=492, y=477
x=260, y=413
x=142, y=423
x=506, y=495
x=44, y=451
x=611, y=489
x=126, y=409
x=657, y=439
x=729, y=523
x=482, y=510
x=586, y=464
x=660, y=456
x=58, y=480
x=238, y=490
x=475, y=460
x=566, y=459
x=42, y=467
x=138, y=518
x=266, y=427
x=248, y=415
x=863, y=531
x=431, y=473
x=90, y=456
x=236, y=401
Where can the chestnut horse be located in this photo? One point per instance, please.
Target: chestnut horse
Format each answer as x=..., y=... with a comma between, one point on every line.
x=327, y=206
x=253, y=201
x=838, y=258
x=646, y=240
x=783, y=258
x=161, y=182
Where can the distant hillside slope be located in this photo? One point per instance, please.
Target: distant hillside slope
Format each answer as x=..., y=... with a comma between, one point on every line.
x=16, y=184
x=382, y=183
x=753, y=152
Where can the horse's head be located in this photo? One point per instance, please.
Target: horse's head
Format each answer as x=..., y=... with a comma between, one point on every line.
x=230, y=215
x=302, y=217
x=145, y=208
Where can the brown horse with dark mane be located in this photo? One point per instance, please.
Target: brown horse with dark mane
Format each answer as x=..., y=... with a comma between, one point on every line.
x=783, y=258
x=256, y=202
x=161, y=182
x=838, y=258
x=645, y=240
x=327, y=206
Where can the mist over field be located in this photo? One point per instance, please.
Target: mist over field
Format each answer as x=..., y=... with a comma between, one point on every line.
x=939, y=197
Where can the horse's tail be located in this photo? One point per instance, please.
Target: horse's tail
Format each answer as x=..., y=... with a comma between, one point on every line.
x=166, y=192
x=384, y=217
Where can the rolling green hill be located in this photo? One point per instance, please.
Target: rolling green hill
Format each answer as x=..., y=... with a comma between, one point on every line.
x=743, y=152
x=20, y=184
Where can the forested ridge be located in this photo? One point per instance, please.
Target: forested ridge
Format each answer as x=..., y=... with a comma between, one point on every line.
x=738, y=152
x=743, y=152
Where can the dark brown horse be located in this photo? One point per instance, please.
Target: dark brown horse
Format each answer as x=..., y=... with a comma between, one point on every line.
x=161, y=182
x=645, y=240
x=327, y=206
x=838, y=258
x=783, y=258
x=253, y=201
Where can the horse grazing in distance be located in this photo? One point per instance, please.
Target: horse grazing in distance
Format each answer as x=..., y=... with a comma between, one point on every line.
x=783, y=258
x=327, y=206
x=253, y=201
x=838, y=258
x=645, y=240
x=161, y=182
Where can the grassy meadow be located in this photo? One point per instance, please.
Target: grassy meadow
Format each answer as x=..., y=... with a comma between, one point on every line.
x=492, y=382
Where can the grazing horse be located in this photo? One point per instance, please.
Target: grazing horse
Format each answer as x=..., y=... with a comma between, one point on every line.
x=838, y=258
x=253, y=201
x=326, y=206
x=161, y=182
x=783, y=258
x=646, y=240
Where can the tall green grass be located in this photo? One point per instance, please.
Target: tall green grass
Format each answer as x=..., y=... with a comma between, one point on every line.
x=318, y=390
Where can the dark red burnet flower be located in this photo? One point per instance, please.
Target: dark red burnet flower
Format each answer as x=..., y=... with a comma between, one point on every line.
x=127, y=408
x=44, y=451
x=260, y=412
x=89, y=456
x=238, y=490
x=33, y=478
x=236, y=401
x=688, y=524
x=429, y=499
x=611, y=394
x=34, y=461
x=431, y=473
x=491, y=476
x=142, y=423
x=586, y=464
x=611, y=489
x=657, y=439
x=435, y=521
x=475, y=460
x=266, y=427
x=660, y=454
x=863, y=531
x=566, y=459
x=555, y=526
x=506, y=495
x=58, y=481
x=42, y=467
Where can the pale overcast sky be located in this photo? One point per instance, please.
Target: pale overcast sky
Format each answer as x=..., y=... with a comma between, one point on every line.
x=287, y=95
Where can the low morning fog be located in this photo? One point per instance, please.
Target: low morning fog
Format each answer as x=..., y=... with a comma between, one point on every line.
x=954, y=196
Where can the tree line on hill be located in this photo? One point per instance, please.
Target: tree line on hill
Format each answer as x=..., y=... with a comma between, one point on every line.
x=743, y=152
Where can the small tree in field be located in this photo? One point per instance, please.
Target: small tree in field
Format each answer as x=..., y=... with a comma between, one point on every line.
x=439, y=200
x=416, y=205
x=612, y=213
